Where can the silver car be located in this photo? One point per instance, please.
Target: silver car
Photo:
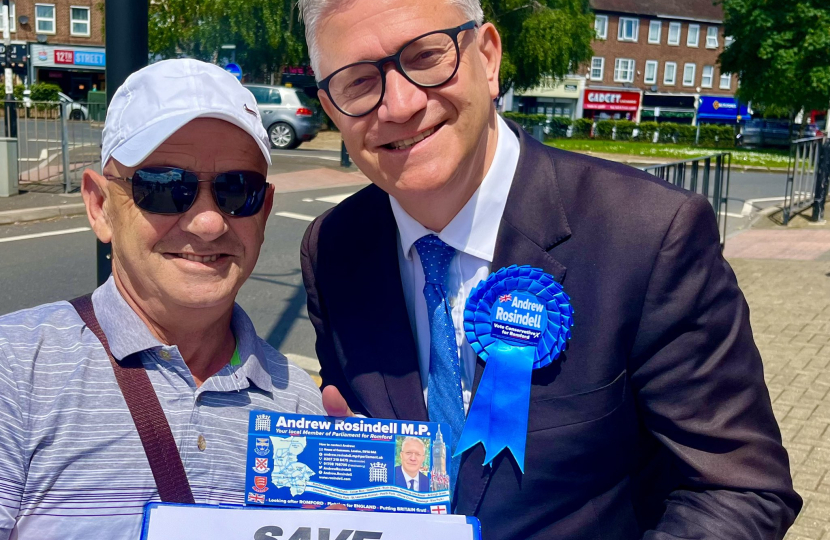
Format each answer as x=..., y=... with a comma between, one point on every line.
x=287, y=114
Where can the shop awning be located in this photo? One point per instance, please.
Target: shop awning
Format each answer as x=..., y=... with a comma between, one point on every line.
x=721, y=109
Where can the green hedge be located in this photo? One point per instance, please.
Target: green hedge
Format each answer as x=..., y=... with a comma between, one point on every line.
x=604, y=130
x=625, y=130
x=647, y=130
x=582, y=128
x=556, y=126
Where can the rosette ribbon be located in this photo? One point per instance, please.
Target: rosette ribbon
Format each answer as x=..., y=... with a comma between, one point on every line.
x=517, y=320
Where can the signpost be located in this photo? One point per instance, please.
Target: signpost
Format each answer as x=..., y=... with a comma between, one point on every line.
x=11, y=111
x=234, y=70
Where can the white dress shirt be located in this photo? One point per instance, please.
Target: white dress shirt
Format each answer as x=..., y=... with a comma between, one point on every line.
x=472, y=232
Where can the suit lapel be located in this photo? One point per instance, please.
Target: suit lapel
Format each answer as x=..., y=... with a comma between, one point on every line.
x=533, y=223
x=380, y=342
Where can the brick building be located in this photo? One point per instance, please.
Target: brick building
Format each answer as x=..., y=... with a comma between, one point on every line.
x=653, y=60
x=64, y=41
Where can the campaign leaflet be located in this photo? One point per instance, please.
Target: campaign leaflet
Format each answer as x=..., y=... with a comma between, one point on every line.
x=310, y=461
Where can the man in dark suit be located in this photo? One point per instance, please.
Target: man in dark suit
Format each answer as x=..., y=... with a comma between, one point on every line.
x=655, y=422
x=408, y=474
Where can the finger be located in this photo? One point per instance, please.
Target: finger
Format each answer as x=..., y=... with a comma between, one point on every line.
x=334, y=403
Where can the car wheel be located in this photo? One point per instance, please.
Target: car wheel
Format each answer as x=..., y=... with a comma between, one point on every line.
x=77, y=114
x=282, y=136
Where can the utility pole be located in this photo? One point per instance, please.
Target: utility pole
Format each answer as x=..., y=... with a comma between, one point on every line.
x=10, y=109
x=127, y=51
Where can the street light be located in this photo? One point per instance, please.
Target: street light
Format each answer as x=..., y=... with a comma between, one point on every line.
x=232, y=48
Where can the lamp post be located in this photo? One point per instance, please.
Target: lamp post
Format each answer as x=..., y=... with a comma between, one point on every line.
x=127, y=51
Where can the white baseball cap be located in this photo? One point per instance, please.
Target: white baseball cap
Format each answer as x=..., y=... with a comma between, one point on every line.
x=158, y=100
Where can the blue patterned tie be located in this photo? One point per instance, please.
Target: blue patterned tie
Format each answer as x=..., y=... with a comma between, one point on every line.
x=444, y=400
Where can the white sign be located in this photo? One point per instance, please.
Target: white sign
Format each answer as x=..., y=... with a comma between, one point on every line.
x=203, y=522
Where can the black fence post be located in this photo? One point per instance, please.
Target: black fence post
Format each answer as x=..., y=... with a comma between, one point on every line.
x=821, y=181
x=127, y=51
x=344, y=156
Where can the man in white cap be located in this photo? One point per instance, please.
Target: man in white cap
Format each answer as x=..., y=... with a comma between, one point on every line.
x=183, y=200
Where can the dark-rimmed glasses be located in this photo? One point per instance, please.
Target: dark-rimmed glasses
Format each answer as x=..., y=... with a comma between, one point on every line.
x=171, y=190
x=427, y=61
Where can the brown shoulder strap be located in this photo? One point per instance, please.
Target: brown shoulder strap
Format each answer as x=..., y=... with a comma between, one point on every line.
x=153, y=429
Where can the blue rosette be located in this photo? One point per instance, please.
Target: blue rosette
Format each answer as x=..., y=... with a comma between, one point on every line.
x=517, y=320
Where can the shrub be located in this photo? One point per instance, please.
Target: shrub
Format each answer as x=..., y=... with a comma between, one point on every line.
x=668, y=132
x=527, y=121
x=625, y=130
x=582, y=128
x=604, y=130
x=686, y=134
x=44, y=92
x=647, y=130
x=558, y=126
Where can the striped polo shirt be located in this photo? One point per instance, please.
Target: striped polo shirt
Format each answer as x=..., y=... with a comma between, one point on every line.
x=71, y=462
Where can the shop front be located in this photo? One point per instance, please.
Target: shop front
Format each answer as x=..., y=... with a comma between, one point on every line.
x=676, y=108
x=611, y=104
x=551, y=99
x=721, y=110
x=77, y=70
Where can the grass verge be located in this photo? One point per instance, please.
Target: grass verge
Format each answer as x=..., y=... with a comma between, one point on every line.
x=764, y=158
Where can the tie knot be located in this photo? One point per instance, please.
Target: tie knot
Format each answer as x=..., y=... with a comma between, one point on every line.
x=435, y=258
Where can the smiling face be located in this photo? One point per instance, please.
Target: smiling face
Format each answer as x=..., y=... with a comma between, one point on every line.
x=420, y=142
x=412, y=456
x=198, y=259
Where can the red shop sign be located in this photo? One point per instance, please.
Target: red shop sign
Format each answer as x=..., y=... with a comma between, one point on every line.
x=64, y=57
x=610, y=100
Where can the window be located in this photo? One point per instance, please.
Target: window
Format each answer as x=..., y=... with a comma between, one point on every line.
x=725, y=80
x=623, y=70
x=45, y=18
x=689, y=75
x=629, y=28
x=728, y=40
x=12, y=17
x=693, y=37
x=669, y=73
x=597, y=67
x=601, y=26
x=708, y=75
x=674, y=33
x=651, y=72
x=654, y=29
x=79, y=20
x=712, y=37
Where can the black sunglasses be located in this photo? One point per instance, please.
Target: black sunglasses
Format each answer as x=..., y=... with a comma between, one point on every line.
x=170, y=190
x=427, y=61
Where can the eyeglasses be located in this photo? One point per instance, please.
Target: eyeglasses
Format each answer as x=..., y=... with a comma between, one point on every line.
x=427, y=61
x=170, y=190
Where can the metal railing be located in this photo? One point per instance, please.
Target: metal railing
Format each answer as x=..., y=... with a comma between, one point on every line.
x=807, y=173
x=56, y=142
x=707, y=175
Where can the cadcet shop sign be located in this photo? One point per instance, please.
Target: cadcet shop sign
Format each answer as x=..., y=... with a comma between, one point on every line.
x=609, y=100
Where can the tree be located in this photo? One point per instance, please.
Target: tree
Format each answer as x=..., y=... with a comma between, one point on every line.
x=540, y=38
x=781, y=52
x=266, y=33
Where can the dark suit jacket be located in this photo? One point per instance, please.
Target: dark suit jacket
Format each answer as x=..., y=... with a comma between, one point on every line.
x=400, y=480
x=656, y=422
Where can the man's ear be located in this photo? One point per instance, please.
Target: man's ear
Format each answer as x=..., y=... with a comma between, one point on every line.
x=489, y=47
x=94, y=191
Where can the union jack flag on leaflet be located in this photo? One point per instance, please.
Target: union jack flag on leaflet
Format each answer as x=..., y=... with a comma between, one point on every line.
x=256, y=498
x=505, y=298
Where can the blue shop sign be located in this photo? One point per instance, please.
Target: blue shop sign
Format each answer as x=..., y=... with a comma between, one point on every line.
x=90, y=58
x=721, y=109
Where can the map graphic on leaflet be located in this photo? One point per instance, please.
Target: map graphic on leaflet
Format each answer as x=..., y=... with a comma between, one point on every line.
x=361, y=463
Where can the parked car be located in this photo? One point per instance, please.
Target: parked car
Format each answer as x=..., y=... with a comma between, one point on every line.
x=287, y=114
x=77, y=111
x=760, y=132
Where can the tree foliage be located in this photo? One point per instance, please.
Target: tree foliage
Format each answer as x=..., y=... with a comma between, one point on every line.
x=781, y=52
x=267, y=33
x=540, y=38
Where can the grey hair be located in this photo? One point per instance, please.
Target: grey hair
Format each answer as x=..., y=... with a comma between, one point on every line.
x=311, y=11
x=413, y=439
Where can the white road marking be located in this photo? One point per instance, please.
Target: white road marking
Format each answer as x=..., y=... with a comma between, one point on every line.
x=307, y=156
x=292, y=215
x=44, y=234
x=308, y=200
x=335, y=199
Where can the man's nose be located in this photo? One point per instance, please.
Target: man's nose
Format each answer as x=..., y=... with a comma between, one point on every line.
x=204, y=219
x=402, y=100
